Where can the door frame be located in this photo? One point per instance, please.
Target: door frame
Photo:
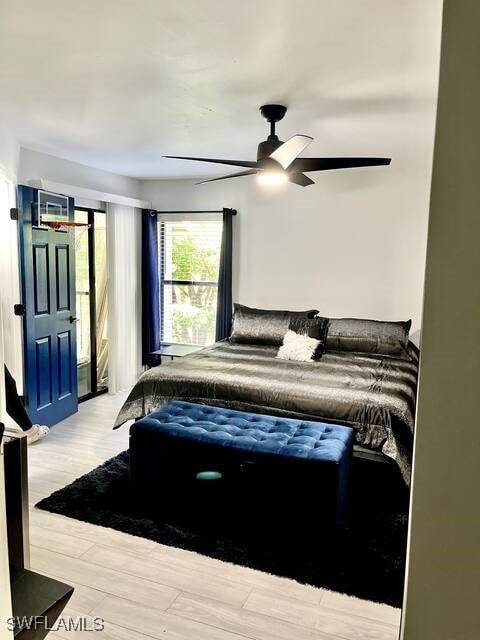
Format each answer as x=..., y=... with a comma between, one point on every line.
x=92, y=300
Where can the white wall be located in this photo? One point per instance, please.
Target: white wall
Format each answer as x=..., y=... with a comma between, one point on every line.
x=10, y=278
x=9, y=152
x=353, y=244
x=443, y=585
x=9, y=273
x=34, y=165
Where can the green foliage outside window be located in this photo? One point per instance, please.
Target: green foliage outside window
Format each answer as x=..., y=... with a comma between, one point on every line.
x=194, y=307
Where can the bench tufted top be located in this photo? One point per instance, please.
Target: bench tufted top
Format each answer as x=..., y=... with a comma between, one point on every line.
x=251, y=432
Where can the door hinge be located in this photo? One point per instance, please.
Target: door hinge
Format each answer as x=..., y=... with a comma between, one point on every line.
x=19, y=309
x=14, y=213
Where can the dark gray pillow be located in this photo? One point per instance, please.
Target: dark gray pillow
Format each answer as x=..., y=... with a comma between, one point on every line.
x=263, y=326
x=369, y=336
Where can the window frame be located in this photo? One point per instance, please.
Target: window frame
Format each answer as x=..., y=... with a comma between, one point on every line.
x=201, y=216
x=92, y=303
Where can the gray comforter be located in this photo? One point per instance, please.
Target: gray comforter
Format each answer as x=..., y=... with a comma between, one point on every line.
x=373, y=394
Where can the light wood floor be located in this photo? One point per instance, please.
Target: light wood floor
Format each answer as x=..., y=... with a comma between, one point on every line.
x=146, y=590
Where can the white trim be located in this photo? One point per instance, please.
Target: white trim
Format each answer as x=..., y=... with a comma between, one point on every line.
x=10, y=279
x=88, y=194
x=9, y=175
x=90, y=204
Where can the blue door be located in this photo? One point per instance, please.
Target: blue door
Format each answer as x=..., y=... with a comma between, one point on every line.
x=48, y=289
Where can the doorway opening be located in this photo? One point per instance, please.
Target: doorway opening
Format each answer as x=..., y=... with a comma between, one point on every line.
x=92, y=302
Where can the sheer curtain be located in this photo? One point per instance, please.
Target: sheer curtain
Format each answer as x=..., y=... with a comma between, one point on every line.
x=124, y=296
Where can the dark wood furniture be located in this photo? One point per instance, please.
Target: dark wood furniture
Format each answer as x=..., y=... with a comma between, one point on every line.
x=34, y=597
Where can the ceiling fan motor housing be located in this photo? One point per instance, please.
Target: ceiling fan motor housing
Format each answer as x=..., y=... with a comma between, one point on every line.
x=273, y=112
x=267, y=147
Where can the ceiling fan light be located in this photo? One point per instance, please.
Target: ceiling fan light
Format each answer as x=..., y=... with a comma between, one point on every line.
x=272, y=178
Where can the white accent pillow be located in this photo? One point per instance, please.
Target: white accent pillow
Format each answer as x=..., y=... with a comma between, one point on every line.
x=298, y=347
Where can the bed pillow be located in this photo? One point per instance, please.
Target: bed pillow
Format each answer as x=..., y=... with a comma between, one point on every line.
x=369, y=336
x=263, y=326
x=305, y=340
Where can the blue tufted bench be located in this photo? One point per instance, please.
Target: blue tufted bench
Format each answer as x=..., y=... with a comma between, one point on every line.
x=283, y=464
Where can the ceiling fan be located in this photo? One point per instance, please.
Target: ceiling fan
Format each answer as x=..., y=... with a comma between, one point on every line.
x=278, y=161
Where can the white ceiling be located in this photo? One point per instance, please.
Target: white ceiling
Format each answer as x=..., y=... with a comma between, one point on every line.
x=115, y=84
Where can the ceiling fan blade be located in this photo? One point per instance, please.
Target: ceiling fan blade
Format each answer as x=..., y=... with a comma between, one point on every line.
x=289, y=150
x=325, y=164
x=235, y=163
x=300, y=179
x=250, y=172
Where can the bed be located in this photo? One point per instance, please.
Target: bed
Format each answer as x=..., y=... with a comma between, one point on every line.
x=373, y=394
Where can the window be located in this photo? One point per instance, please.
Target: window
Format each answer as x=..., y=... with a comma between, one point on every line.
x=189, y=262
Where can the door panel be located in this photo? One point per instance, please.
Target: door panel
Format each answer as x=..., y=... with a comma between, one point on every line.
x=48, y=288
x=43, y=352
x=64, y=374
x=41, y=279
x=62, y=267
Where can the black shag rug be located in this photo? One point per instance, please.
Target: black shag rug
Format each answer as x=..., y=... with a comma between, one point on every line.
x=364, y=558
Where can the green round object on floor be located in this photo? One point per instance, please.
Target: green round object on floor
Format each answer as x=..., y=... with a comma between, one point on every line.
x=209, y=475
